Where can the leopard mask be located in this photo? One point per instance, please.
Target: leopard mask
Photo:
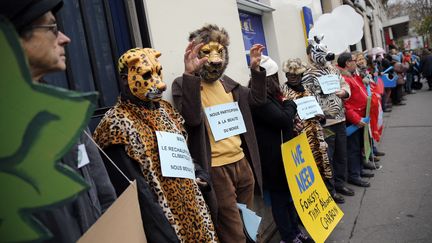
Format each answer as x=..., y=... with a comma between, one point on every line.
x=143, y=72
x=215, y=48
x=318, y=51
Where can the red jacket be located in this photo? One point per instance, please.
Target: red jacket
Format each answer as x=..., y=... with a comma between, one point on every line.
x=355, y=105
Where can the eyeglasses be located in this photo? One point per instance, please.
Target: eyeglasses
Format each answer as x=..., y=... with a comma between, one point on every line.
x=52, y=27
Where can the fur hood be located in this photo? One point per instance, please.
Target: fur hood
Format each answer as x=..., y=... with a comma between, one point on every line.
x=208, y=33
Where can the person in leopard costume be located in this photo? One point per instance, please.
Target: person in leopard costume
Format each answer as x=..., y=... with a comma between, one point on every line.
x=128, y=133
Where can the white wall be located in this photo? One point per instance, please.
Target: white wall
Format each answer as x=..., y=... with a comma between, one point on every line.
x=284, y=30
x=171, y=21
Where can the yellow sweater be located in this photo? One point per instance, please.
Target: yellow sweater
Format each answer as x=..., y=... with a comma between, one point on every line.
x=228, y=150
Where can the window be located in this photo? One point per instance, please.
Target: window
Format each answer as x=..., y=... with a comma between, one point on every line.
x=252, y=30
x=100, y=33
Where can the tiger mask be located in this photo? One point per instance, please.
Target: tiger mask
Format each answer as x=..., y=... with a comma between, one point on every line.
x=215, y=48
x=318, y=52
x=143, y=73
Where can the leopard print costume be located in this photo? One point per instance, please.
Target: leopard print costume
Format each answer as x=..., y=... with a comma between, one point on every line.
x=314, y=133
x=134, y=125
x=144, y=73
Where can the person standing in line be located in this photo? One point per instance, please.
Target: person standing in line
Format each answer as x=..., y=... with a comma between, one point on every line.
x=44, y=46
x=129, y=132
x=292, y=90
x=233, y=162
x=355, y=113
x=426, y=66
x=334, y=111
x=407, y=59
x=276, y=116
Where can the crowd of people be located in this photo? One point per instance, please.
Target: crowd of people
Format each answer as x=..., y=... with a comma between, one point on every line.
x=230, y=169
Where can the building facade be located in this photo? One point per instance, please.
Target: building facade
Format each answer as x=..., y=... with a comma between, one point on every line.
x=102, y=30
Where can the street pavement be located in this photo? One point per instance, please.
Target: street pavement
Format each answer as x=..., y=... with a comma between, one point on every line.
x=398, y=205
x=397, y=208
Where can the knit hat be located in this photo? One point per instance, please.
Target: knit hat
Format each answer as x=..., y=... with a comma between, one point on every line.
x=269, y=65
x=294, y=66
x=22, y=12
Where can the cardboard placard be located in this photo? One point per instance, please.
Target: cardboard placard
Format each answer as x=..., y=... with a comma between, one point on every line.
x=329, y=83
x=174, y=156
x=225, y=120
x=308, y=107
x=120, y=223
x=314, y=204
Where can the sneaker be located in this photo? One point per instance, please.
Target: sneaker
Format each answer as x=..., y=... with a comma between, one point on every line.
x=297, y=240
x=304, y=238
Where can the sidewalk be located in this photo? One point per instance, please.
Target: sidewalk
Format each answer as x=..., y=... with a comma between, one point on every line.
x=398, y=205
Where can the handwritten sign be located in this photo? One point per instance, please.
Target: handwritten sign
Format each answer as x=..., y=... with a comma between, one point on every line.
x=308, y=107
x=225, y=120
x=174, y=155
x=314, y=204
x=329, y=83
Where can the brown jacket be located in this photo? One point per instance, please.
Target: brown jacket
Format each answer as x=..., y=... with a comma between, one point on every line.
x=186, y=92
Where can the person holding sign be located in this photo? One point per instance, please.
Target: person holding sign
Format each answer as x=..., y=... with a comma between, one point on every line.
x=356, y=115
x=208, y=100
x=146, y=136
x=276, y=116
x=294, y=90
x=333, y=108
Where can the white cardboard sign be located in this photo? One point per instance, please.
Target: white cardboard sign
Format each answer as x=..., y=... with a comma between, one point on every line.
x=329, y=83
x=174, y=156
x=308, y=107
x=225, y=120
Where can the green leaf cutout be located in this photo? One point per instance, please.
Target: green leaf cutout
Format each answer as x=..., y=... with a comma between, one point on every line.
x=38, y=125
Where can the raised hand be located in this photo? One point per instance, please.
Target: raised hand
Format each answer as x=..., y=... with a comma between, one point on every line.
x=191, y=61
x=255, y=56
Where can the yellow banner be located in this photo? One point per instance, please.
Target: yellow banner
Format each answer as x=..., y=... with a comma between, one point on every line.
x=314, y=204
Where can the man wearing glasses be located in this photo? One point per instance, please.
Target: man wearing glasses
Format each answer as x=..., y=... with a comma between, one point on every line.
x=44, y=47
x=355, y=111
x=41, y=40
